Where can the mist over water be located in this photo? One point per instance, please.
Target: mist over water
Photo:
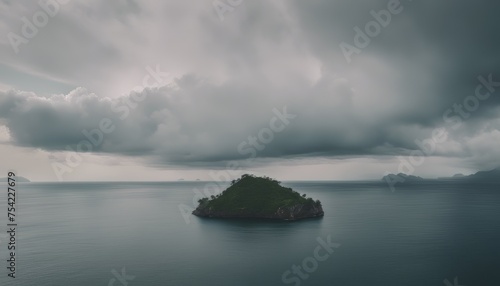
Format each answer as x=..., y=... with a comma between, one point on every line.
x=79, y=233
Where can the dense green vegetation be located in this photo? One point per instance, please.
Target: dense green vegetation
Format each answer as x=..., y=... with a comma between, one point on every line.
x=259, y=194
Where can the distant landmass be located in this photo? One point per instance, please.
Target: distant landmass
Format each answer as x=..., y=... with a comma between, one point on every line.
x=18, y=179
x=259, y=197
x=492, y=175
x=402, y=177
x=481, y=176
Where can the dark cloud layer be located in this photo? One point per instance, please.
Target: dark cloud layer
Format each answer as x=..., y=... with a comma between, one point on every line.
x=232, y=74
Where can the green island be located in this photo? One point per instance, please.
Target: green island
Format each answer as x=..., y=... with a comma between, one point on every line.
x=259, y=197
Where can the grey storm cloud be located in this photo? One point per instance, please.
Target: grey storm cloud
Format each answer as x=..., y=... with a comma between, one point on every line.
x=194, y=121
x=231, y=74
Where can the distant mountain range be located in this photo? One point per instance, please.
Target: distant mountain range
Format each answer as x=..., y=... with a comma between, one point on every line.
x=18, y=179
x=402, y=177
x=492, y=175
x=483, y=176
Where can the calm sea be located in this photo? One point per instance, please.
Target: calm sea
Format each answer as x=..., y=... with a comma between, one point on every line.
x=87, y=234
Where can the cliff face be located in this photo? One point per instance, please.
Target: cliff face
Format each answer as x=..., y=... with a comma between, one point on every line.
x=295, y=212
x=256, y=197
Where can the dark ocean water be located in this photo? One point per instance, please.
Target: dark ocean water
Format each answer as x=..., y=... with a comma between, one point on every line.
x=86, y=234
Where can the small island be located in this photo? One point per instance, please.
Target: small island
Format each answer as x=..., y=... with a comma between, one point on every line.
x=402, y=178
x=259, y=197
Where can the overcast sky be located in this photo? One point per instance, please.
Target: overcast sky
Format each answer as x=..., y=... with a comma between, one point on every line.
x=333, y=90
